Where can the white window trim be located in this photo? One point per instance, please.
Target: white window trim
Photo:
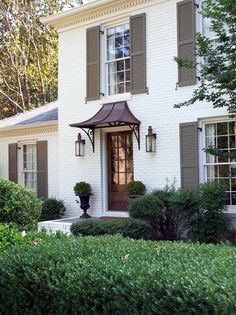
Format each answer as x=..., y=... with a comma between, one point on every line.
x=103, y=71
x=21, y=171
x=202, y=155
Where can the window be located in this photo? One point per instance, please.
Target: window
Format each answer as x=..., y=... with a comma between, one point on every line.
x=222, y=136
x=29, y=170
x=118, y=59
x=206, y=28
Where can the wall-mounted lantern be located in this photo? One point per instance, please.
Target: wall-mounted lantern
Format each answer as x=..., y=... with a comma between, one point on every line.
x=79, y=146
x=150, y=141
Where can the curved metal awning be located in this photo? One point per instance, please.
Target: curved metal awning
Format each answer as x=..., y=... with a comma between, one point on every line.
x=110, y=115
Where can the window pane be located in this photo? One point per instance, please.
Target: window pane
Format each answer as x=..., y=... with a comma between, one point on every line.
x=119, y=42
x=118, y=49
x=222, y=129
x=122, y=179
x=120, y=65
x=119, y=53
x=111, y=49
x=232, y=142
x=127, y=87
x=127, y=64
x=127, y=51
x=232, y=129
x=127, y=75
x=222, y=142
x=233, y=170
x=120, y=88
x=120, y=76
x=223, y=170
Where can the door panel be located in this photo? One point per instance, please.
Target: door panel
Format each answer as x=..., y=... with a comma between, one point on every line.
x=120, y=168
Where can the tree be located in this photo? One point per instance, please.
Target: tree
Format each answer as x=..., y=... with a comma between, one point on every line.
x=216, y=61
x=28, y=54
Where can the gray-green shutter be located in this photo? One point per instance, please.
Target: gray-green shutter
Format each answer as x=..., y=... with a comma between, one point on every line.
x=186, y=40
x=189, y=163
x=93, y=63
x=12, y=162
x=138, y=53
x=42, y=168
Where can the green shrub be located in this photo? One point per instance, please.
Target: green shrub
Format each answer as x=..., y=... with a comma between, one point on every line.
x=113, y=275
x=179, y=207
x=148, y=208
x=184, y=207
x=10, y=236
x=18, y=206
x=136, y=229
x=168, y=228
x=52, y=209
x=82, y=188
x=136, y=188
x=210, y=225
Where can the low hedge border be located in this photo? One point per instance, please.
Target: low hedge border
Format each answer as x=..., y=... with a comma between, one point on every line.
x=133, y=228
x=114, y=275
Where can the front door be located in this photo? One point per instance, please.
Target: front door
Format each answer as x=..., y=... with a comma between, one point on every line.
x=120, y=168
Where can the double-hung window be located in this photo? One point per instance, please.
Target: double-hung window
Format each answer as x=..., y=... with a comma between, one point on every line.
x=222, y=168
x=118, y=59
x=29, y=170
x=206, y=28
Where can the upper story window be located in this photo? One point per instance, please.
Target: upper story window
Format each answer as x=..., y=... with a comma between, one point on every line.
x=118, y=59
x=206, y=27
x=123, y=57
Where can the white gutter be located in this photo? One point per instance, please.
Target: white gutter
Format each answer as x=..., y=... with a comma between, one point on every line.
x=55, y=19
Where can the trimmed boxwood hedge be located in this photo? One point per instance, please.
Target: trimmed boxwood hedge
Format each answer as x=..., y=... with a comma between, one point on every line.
x=113, y=275
x=137, y=229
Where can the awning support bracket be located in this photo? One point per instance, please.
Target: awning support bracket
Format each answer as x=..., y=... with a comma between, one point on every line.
x=90, y=133
x=136, y=131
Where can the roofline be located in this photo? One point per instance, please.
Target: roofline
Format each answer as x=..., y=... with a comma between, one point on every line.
x=29, y=126
x=55, y=19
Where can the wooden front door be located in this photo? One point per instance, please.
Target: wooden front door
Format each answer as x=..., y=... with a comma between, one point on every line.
x=120, y=168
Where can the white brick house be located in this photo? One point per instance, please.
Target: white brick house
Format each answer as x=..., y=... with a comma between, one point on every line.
x=121, y=52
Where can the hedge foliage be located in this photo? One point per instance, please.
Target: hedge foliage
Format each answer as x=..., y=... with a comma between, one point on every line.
x=19, y=206
x=149, y=208
x=112, y=275
x=136, y=229
x=52, y=209
x=10, y=236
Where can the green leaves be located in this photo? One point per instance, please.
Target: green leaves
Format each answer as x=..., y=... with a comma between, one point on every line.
x=28, y=54
x=113, y=275
x=19, y=206
x=136, y=229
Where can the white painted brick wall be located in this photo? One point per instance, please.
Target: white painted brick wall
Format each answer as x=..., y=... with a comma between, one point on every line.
x=52, y=138
x=155, y=109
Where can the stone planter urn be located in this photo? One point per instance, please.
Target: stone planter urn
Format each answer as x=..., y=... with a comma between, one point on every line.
x=84, y=204
x=83, y=191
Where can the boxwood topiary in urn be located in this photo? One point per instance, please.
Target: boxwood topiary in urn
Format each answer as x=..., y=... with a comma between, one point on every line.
x=83, y=191
x=135, y=189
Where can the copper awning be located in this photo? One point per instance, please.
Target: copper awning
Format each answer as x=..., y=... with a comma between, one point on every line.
x=110, y=115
